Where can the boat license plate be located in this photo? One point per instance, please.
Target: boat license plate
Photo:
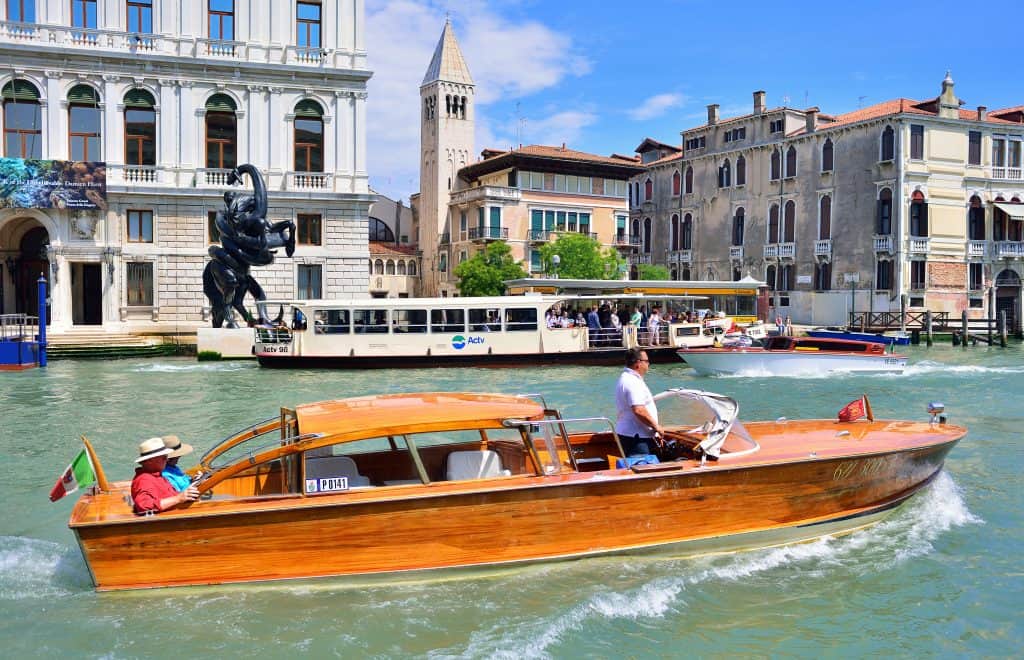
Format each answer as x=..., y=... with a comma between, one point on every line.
x=327, y=485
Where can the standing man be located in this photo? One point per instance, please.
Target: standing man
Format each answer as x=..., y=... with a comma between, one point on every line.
x=637, y=420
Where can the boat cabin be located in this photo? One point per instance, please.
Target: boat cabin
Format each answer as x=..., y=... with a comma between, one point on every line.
x=823, y=344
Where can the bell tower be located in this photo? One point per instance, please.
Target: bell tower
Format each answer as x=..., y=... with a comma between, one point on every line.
x=446, y=144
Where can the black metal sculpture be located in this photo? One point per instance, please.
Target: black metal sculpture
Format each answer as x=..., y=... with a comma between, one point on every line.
x=247, y=240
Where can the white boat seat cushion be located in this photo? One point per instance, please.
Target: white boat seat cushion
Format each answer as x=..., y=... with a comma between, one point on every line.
x=335, y=466
x=474, y=465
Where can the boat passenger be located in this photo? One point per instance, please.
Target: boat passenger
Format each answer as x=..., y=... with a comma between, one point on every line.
x=151, y=493
x=172, y=473
x=654, y=326
x=637, y=416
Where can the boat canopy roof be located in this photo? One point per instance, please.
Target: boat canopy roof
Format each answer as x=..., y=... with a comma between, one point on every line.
x=395, y=414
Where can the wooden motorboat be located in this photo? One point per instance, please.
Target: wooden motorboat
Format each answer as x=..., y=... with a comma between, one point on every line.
x=403, y=483
x=897, y=339
x=795, y=356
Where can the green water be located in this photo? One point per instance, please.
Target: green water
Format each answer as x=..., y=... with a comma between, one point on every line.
x=942, y=576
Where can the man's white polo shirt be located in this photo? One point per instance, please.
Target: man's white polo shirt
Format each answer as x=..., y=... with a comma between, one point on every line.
x=630, y=391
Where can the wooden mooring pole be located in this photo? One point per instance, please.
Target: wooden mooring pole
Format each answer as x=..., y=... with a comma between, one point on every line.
x=928, y=338
x=1002, y=328
x=988, y=326
x=964, y=336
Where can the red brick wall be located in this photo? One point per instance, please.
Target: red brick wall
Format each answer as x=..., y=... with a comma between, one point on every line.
x=942, y=275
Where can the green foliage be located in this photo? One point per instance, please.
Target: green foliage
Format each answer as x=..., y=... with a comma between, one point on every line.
x=485, y=273
x=208, y=356
x=652, y=272
x=581, y=258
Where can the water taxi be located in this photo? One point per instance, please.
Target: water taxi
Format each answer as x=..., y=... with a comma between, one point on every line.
x=897, y=338
x=406, y=484
x=795, y=356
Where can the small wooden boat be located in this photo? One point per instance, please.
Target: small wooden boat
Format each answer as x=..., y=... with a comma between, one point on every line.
x=398, y=484
x=794, y=356
x=898, y=339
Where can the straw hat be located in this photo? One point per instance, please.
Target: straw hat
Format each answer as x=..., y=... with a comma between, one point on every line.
x=177, y=447
x=151, y=448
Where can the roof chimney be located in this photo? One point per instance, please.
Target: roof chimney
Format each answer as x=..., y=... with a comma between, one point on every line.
x=949, y=104
x=811, y=115
x=759, y=102
x=981, y=112
x=712, y=114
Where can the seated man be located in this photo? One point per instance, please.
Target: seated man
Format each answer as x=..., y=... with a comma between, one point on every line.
x=151, y=493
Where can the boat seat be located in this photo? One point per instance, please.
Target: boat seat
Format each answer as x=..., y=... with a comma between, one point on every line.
x=480, y=464
x=321, y=467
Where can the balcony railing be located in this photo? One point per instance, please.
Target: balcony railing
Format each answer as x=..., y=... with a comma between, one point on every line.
x=212, y=177
x=787, y=250
x=1009, y=249
x=823, y=247
x=539, y=235
x=976, y=248
x=221, y=49
x=444, y=239
x=488, y=193
x=19, y=31
x=635, y=259
x=883, y=244
x=736, y=252
x=1009, y=173
x=309, y=181
x=771, y=251
x=919, y=245
x=303, y=55
x=141, y=174
x=488, y=233
x=681, y=256
x=622, y=240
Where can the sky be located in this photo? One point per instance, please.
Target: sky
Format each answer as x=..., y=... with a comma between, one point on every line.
x=601, y=76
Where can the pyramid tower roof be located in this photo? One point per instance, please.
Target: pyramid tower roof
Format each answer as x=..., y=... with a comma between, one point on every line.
x=448, y=64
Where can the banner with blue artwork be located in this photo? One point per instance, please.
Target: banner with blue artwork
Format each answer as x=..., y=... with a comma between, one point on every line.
x=52, y=184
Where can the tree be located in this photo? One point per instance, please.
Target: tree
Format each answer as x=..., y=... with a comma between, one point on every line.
x=652, y=272
x=581, y=258
x=486, y=272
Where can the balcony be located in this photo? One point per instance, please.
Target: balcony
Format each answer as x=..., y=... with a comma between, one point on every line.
x=883, y=244
x=976, y=248
x=635, y=259
x=231, y=50
x=771, y=251
x=140, y=174
x=486, y=194
x=681, y=256
x=217, y=178
x=308, y=181
x=488, y=233
x=919, y=245
x=304, y=55
x=736, y=253
x=1007, y=173
x=627, y=242
x=823, y=247
x=1009, y=250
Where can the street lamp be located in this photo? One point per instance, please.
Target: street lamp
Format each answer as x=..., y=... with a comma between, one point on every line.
x=555, y=260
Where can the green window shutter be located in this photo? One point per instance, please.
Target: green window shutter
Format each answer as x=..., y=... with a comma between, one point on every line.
x=139, y=98
x=620, y=222
x=20, y=90
x=480, y=217
x=537, y=220
x=495, y=217
x=220, y=103
x=309, y=108
x=83, y=95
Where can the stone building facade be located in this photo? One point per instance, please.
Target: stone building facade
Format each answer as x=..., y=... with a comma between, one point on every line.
x=167, y=97
x=395, y=264
x=903, y=204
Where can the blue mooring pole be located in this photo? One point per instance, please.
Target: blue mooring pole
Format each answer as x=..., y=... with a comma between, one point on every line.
x=41, y=283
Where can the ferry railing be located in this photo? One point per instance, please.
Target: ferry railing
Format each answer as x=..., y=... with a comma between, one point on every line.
x=18, y=327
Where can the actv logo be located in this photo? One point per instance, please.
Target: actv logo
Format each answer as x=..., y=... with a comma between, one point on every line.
x=459, y=342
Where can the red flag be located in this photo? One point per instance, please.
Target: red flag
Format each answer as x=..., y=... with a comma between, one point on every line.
x=854, y=410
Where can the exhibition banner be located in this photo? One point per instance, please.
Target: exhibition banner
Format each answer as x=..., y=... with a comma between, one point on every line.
x=52, y=184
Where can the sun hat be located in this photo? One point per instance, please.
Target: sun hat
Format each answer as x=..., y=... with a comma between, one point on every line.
x=177, y=447
x=151, y=448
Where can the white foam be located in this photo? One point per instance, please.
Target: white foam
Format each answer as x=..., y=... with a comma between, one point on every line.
x=32, y=569
x=195, y=367
x=930, y=367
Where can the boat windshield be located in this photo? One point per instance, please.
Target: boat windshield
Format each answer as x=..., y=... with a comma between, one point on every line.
x=713, y=417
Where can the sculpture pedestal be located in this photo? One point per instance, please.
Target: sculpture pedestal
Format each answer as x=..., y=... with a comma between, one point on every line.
x=231, y=343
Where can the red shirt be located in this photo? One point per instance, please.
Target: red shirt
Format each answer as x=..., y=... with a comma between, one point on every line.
x=148, y=489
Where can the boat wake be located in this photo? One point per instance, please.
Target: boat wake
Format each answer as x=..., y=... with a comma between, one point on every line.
x=909, y=533
x=193, y=367
x=36, y=569
x=930, y=367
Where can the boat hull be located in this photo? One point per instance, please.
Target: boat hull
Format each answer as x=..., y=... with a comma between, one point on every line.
x=888, y=340
x=690, y=510
x=714, y=362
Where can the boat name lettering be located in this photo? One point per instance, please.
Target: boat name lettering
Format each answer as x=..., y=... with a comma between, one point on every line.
x=327, y=485
x=865, y=468
x=280, y=348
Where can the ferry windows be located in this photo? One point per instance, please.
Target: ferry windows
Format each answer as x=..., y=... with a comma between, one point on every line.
x=310, y=280
x=413, y=321
x=23, y=134
x=447, y=320
x=139, y=128
x=370, y=321
x=140, y=226
x=308, y=226
x=520, y=319
x=139, y=284
x=484, y=319
x=332, y=321
x=84, y=123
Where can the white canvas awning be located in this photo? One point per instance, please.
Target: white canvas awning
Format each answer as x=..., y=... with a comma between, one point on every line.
x=1015, y=211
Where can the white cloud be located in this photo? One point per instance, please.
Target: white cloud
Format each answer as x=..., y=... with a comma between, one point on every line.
x=657, y=105
x=554, y=129
x=508, y=60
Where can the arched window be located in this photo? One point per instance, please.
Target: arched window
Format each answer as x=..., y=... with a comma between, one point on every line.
x=775, y=169
x=788, y=222
x=636, y=228
x=918, y=214
x=976, y=220
x=884, y=219
x=378, y=231
x=825, y=218
x=648, y=190
x=23, y=132
x=687, y=238
x=647, y=235
x=412, y=268
x=675, y=233
x=309, y=137
x=629, y=187
x=221, y=132
x=389, y=269
x=636, y=192
x=741, y=171
x=769, y=277
x=139, y=128
x=725, y=175
x=400, y=268
x=773, y=224
x=688, y=183
x=827, y=156
x=84, y=132
x=370, y=262
x=378, y=267
x=888, y=144
x=791, y=161
x=442, y=263
x=676, y=183
x=737, y=226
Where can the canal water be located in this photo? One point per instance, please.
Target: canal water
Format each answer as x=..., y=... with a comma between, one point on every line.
x=943, y=575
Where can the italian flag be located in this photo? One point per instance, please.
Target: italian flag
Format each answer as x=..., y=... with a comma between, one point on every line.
x=78, y=474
